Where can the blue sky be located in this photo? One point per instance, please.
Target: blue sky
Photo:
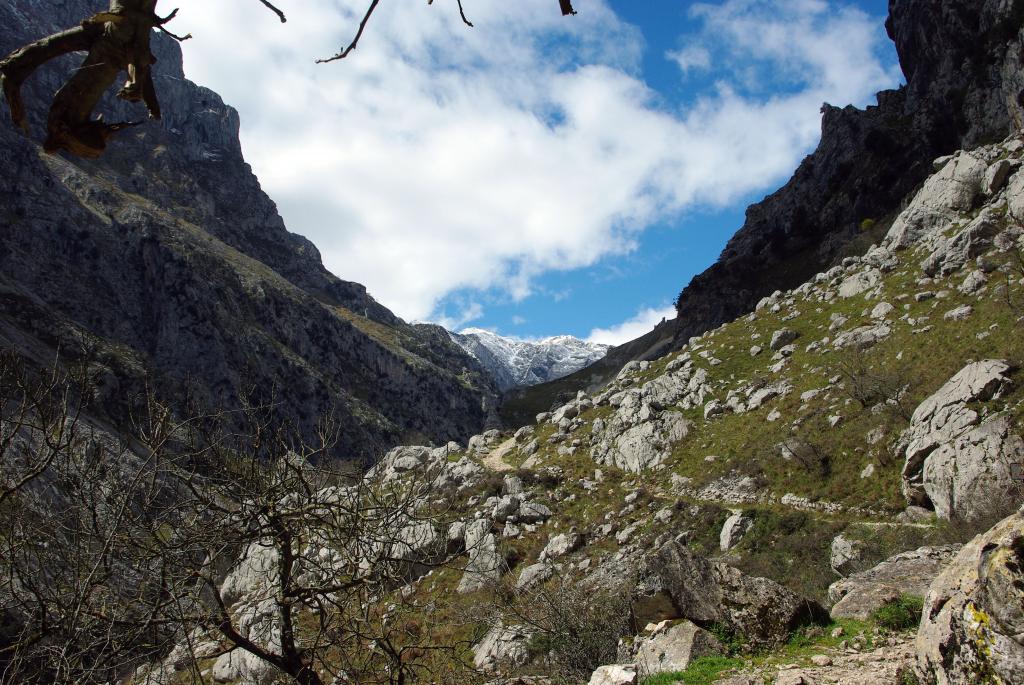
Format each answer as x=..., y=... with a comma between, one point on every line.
x=533, y=175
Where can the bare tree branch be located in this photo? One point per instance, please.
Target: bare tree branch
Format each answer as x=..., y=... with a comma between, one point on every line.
x=355, y=41
x=275, y=10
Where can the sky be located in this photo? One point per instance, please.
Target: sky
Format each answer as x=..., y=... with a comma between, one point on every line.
x=533, y=175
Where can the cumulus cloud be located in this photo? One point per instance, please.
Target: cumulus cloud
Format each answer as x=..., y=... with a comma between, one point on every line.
x=439, y=158
x=691, y=58
x=643, y=322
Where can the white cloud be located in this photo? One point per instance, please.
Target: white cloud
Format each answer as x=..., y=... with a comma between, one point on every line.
x=644, y=321
x=439, y=158
x=691, y=58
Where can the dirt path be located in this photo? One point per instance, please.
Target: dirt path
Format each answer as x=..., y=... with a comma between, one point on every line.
x=886, y=664
x=495, y=461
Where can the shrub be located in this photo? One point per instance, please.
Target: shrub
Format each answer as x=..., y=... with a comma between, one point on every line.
x=899, y=614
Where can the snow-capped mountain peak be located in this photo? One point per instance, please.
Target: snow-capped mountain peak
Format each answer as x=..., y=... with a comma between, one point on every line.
x=513, y=362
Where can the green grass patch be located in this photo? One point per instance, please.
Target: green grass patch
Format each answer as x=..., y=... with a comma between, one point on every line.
x=900, y=614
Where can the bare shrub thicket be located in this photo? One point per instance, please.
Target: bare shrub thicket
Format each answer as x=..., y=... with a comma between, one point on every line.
x=113, y=553
x=873, y=384
x=575, y=627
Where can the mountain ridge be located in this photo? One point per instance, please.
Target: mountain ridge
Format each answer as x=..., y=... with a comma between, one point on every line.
x=515, y=362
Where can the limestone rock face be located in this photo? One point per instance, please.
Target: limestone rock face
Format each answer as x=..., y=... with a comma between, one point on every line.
x=167, y=256
x=955, y=463
x=908, y=573
x=676, y=583
x=972, y=628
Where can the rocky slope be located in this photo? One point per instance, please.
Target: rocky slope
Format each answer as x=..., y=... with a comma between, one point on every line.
x=962, y=63
x=165, y=265
x=858, y=428
x=515, y=363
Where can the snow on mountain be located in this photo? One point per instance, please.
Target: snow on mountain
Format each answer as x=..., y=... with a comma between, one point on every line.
x=528, y=362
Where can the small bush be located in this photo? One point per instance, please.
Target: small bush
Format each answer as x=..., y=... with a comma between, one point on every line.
x=900, y=614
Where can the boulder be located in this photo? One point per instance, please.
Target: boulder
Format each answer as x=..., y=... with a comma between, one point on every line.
x=533, y=512
x=560, y=545
x=949, y=456
x=782, y=337
x=862, y=338
x=619, y=674
x=972, y=627
x=534, y=575
x=506, y=507
x=860, y=282
x=675, y=583
x=503, y=648
x=908, y=573
x=971, y=477
x=244, y=668
x=845, y=554
x=733, y=530
x=485, y=565
x=672, y=647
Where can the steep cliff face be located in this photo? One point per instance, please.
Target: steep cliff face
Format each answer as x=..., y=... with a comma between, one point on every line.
x=165, y=263
x=962, y=61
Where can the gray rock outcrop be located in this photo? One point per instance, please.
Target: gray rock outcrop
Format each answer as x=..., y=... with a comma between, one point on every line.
x=972, y=627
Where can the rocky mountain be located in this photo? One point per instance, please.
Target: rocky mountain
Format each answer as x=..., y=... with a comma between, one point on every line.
x=828, y=489
x=964, y=87
x=164, y=266
x=514, y=363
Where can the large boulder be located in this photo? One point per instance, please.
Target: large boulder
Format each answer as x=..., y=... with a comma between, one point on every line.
x=672, y=647
x=908, y=573
x=954, y=465
x=675, y=583
x=617, y=674
x=972, y=626
x=503, y=648
x=485, y=564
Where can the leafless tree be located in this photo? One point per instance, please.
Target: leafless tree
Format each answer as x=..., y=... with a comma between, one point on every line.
x=189, y=545
x=116, y=41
